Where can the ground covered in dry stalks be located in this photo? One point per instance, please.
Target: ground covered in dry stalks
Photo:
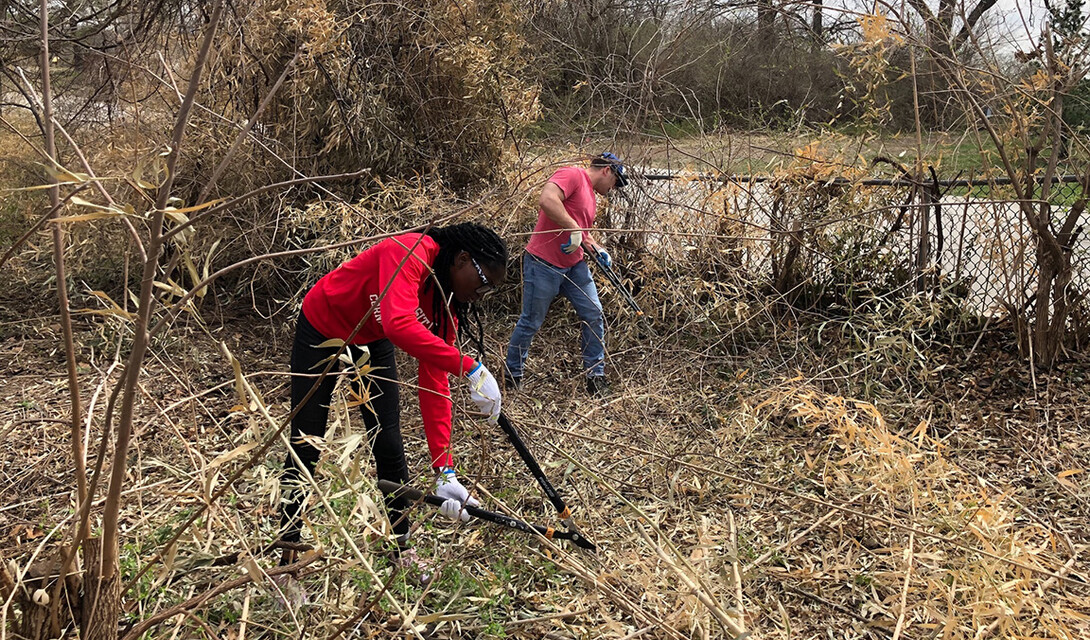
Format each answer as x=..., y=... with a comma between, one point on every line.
x=729, y=483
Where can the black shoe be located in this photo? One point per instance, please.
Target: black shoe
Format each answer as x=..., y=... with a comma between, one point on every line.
x=597, y=386
x=512, y=382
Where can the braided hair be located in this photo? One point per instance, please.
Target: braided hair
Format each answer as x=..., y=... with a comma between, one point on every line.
x=487, y=248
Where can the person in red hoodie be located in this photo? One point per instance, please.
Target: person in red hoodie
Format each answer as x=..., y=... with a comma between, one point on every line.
x=412, y=292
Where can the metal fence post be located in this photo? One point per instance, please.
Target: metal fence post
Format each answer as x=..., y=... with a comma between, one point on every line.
x=923, y=248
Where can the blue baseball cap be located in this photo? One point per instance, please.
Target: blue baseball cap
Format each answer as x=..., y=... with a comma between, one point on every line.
x=607, y=159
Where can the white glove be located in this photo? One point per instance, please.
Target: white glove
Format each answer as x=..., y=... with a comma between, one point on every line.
x=455, y=496
x=575, y=240
x=485, y=392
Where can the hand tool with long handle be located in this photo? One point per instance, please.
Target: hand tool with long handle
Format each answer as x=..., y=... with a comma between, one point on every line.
x=488, y=516
x=535, y=469
x=616, y=280
x=562, y=510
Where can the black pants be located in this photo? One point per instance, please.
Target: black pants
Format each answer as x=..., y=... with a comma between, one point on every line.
x=382, y=417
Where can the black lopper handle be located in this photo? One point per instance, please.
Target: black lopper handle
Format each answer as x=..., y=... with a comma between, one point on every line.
x=535, y=469
x=488, y=516
x=481, y=514
x=613, y=278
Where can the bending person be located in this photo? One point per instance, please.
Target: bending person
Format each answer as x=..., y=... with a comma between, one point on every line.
x=421, y=288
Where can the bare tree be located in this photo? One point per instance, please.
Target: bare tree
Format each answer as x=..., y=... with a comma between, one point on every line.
x=1029, y=139
x=949, y=26
x=947, y=29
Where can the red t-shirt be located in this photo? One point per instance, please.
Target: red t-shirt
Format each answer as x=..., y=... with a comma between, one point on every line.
x=337, y=303
x=580, y=204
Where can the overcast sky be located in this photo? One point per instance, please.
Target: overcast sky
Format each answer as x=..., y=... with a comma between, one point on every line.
x=1010, y=24
x=1018, y=21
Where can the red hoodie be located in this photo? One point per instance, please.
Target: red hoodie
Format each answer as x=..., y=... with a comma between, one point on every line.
x=337, y=303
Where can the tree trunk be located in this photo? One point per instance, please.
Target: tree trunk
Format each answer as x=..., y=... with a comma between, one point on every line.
x=104, y=576
x=1054, y=270
x=33, y=596
x=784, y=273
x=101, y=596
x=923, y=249
x=34, y=623
x=766, y=18
x=1051, y=310
x=936, y=88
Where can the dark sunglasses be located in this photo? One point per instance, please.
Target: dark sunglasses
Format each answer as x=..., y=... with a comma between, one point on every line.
x=486, y=286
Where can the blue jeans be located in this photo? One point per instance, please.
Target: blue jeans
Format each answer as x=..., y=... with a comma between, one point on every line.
x=541, y=282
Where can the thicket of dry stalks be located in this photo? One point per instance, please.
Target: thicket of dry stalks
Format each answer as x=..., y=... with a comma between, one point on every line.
x=730, y=479
x=723, y=490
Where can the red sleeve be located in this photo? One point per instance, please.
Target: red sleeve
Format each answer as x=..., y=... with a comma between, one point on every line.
x=565, y=178
x=398, y=308
x=435, y=409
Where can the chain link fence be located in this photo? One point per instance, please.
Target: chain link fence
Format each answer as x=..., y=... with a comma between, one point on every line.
x=837, y=241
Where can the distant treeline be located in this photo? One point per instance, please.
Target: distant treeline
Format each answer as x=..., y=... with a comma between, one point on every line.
x=437, y=88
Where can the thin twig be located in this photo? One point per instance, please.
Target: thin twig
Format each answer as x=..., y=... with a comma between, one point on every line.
x=737, y=574
x=904, y=589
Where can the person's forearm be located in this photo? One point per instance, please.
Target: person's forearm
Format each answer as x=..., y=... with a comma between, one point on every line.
x=559, y=215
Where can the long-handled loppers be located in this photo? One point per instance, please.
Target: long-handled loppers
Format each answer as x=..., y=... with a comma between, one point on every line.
x=616, y=281
x=562, y=509
x=488, y=516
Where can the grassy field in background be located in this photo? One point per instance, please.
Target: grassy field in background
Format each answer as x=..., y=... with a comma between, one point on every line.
x=952, y=154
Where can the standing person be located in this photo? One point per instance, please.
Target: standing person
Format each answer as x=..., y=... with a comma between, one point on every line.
x=554, y=264
x=412, y=292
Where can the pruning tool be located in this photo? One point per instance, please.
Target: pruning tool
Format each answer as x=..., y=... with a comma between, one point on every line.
x=616, y=280
x=394, y=488
x=562, y=509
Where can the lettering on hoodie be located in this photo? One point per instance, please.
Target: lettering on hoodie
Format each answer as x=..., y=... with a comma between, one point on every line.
x=420, y=316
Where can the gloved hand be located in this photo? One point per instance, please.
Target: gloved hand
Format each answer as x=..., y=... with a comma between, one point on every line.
x=485, y=392
x=604, y=258
x=454, y=494
x=575, y=240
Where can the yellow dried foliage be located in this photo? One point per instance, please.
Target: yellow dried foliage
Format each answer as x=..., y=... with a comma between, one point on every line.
x=401, y=89
x=869, y=61
x=878, y=31
x=823, y=159
x=309, y=24
x=974, y=571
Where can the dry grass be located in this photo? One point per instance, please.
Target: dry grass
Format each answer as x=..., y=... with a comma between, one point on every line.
x=839, y=520
x=730, y=480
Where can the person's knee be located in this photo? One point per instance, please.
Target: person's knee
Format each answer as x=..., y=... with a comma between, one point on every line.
x=532, y=326
x=532, y=319
x=591, y=313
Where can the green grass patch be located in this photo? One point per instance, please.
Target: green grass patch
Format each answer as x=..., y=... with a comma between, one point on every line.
x=1062, y=194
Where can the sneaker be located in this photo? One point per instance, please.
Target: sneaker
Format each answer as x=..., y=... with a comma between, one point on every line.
x=512, y=382
x=597, y=386
x=414, y=566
